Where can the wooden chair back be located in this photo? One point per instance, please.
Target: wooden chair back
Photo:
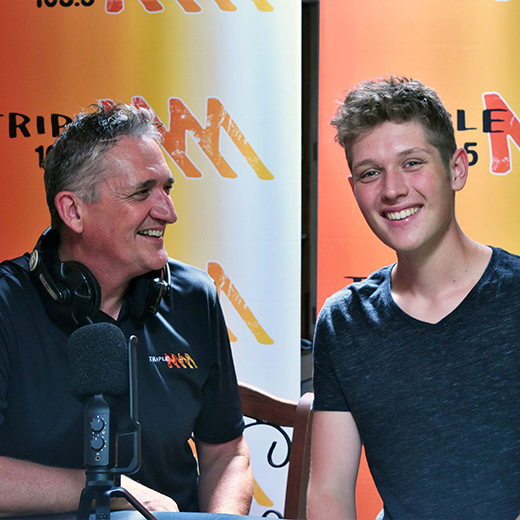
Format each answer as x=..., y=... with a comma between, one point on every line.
x=264, y=406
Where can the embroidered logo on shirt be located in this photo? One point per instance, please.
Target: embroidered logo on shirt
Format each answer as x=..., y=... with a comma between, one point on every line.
x=175, y=360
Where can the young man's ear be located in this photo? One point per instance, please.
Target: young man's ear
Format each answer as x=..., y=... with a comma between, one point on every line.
x=459, y=169
x=351, y=182
x=70, y=209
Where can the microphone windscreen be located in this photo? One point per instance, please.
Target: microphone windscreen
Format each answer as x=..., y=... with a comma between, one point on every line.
x=98, y=360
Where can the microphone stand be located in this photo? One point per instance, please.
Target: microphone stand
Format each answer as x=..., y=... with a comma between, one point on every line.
x=104, y=477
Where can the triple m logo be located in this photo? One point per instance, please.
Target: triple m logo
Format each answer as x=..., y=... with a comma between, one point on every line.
x=182, y=121
x=188, y=6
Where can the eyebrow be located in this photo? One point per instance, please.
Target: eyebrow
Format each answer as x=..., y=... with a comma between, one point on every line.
x=363, y=163
x=150, y=183
x=413, y=150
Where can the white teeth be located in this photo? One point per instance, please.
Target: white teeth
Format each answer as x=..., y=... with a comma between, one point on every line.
x=400, y=215
x=152, y=233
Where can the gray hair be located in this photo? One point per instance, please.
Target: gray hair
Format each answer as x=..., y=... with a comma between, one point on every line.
x=76, y=161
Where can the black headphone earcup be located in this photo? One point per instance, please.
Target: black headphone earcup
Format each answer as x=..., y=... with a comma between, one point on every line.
x=148, y=291
x=82, y=290
x=70, y=286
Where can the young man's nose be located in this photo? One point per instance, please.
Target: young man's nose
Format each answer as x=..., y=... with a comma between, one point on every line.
x=394, y=184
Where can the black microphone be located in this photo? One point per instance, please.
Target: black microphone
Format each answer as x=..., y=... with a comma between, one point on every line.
x=98, y=361
x=99, y=369
x=103, y=371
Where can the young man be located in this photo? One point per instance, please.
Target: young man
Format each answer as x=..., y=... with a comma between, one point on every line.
x=420, y=362
x=108, y=190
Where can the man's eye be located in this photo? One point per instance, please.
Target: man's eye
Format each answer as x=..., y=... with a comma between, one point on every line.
x=412, y=163
x=368, y=175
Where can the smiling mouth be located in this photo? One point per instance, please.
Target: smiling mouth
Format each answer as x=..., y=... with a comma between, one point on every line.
x=400, y=215
x=156, y=233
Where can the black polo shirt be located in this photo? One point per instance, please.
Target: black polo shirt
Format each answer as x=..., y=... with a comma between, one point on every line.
x=186, y=379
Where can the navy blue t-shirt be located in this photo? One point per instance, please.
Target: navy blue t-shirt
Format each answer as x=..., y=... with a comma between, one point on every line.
x=186, y=380
x=437, y=405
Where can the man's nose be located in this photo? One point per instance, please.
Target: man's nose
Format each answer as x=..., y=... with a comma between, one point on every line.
x=394, y=184
x=164, y=209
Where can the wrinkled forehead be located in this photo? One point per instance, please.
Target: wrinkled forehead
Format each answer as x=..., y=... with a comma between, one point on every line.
x=137, y=161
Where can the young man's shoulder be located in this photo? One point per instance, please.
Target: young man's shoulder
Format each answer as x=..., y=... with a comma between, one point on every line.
x=372, y=287
x=506, y=256
x=504, y=264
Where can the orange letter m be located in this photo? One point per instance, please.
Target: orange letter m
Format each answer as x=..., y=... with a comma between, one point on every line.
x=208, y=138
x=503, y=127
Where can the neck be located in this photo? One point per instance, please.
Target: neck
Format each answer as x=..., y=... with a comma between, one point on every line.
x=432, y=267
x=111, y=305
x=431, y=284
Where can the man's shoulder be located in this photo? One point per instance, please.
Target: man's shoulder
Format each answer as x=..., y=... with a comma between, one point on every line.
x=14, y=268
x=360, y=306
x=186, y=277
x=362, y=290
x=504, y=265
x=16, y=286
x=359, y=300
x=509, y=259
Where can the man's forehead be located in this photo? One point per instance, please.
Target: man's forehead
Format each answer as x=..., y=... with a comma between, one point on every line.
x=145, y=178
x=410, y=135
x=390, y=140
x=127, y=146
x=391, y=125
x=137, y=157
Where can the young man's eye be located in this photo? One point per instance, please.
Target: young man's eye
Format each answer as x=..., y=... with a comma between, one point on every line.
x=368, y=175
x=413, y=162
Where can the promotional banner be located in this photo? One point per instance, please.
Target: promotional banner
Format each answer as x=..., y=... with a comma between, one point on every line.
x=469, y=52
x=223, y=76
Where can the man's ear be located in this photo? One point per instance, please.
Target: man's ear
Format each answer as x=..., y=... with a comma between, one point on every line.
x=459, y=169
x=351, y=182
x=70, y=209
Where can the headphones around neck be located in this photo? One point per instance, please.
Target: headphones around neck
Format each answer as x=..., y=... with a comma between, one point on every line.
x=75, y=292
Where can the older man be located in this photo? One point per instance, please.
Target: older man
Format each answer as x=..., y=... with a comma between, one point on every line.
x=103, y=260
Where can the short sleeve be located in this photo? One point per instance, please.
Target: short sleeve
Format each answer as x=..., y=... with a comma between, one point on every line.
x=328, y=394
x=4, y=372
x=220, y=419
x=5, y=342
